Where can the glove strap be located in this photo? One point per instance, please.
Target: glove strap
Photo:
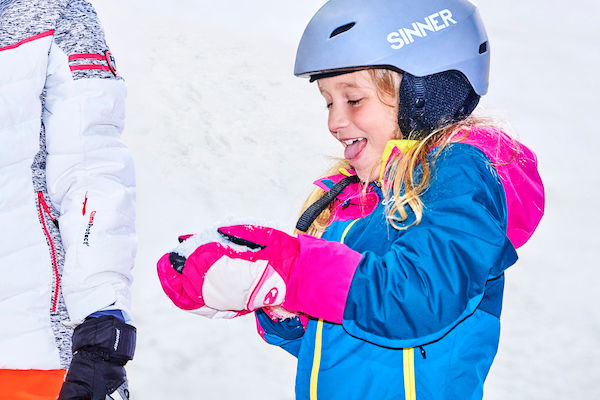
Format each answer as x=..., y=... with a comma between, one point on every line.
x=107, y=336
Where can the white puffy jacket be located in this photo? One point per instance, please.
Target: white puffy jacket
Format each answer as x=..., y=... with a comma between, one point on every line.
x=67, y=185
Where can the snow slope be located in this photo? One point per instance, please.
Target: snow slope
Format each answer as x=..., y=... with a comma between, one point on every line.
x=219, y=127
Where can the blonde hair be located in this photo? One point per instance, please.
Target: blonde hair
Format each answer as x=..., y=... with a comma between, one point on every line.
x=400, y=181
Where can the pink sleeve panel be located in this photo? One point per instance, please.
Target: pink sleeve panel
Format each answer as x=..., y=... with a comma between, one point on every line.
x=319, y=284
x=517, y=168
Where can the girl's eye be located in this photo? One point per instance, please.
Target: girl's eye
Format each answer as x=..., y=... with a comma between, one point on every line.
x=329, y=105
x=354, y=102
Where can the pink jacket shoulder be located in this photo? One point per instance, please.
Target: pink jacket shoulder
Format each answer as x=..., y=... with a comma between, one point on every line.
x=517, y=168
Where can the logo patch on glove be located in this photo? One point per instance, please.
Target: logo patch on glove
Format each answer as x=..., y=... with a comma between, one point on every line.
x=271, y=297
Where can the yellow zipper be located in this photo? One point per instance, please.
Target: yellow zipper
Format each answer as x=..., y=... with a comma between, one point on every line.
x=409, y=374
x=314, y=374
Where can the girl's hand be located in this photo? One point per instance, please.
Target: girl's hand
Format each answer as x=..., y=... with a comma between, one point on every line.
x=236, y=269
x=227, y=270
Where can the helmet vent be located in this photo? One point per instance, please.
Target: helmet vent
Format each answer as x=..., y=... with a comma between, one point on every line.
x=342, y=29
x=483, y=47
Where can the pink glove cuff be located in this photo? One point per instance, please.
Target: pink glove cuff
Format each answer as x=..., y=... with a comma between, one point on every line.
x=319, y=284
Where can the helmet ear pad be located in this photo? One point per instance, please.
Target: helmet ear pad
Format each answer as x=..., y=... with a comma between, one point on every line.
x=433, y=101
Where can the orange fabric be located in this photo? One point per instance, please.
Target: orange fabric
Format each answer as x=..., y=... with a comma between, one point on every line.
x=30, y=384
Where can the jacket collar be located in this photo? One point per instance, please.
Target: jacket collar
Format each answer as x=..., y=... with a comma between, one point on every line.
x=392, y=148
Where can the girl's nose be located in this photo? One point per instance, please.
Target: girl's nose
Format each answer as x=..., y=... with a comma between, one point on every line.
x=338, y=120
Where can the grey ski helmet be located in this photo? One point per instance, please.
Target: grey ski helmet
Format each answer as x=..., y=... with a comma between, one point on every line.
x=440, y=47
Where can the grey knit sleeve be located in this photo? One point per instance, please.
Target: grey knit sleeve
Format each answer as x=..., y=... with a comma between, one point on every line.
x=79, y=34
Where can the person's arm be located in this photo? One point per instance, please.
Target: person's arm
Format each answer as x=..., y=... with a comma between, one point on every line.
x=90, y=180
x=90, y=175
x=435, y=273
x=433, y=276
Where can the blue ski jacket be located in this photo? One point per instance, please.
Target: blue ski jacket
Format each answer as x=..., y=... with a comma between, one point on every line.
x=422, y=315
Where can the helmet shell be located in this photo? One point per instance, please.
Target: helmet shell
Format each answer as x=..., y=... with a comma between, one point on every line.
x=421, y=37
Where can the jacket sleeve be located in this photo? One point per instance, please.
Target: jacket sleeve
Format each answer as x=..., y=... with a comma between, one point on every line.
x=434, y=274
x=90, y=174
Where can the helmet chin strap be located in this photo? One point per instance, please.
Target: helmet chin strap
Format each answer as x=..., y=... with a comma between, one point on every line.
x=433, y=101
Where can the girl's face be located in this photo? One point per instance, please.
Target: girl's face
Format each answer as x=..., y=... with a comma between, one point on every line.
x=362, y=119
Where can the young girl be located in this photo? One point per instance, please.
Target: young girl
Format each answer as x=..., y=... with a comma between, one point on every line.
x=392, y=287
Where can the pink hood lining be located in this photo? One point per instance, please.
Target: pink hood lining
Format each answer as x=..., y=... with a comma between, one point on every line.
x=517, y=168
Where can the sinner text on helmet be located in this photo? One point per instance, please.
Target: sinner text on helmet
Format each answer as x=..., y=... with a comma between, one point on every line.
x=433, y=23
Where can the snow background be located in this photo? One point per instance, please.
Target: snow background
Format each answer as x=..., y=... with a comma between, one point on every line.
x=219, y=127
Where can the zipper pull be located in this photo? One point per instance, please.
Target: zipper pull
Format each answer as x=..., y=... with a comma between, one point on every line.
x=423, y=354
x=46, y=208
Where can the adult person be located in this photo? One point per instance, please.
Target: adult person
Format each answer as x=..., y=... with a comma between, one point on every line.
x=67, y=243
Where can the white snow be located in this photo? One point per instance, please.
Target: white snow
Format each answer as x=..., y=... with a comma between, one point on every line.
x=219, y=127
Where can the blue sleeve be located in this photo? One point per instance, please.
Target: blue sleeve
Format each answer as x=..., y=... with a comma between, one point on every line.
x=115, y=313
x=434, y=274
x=286, y=334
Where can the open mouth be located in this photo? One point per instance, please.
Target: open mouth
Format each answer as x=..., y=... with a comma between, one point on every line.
x=353, y=147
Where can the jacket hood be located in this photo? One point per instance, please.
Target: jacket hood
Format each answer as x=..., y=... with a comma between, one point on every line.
x=517, y=169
